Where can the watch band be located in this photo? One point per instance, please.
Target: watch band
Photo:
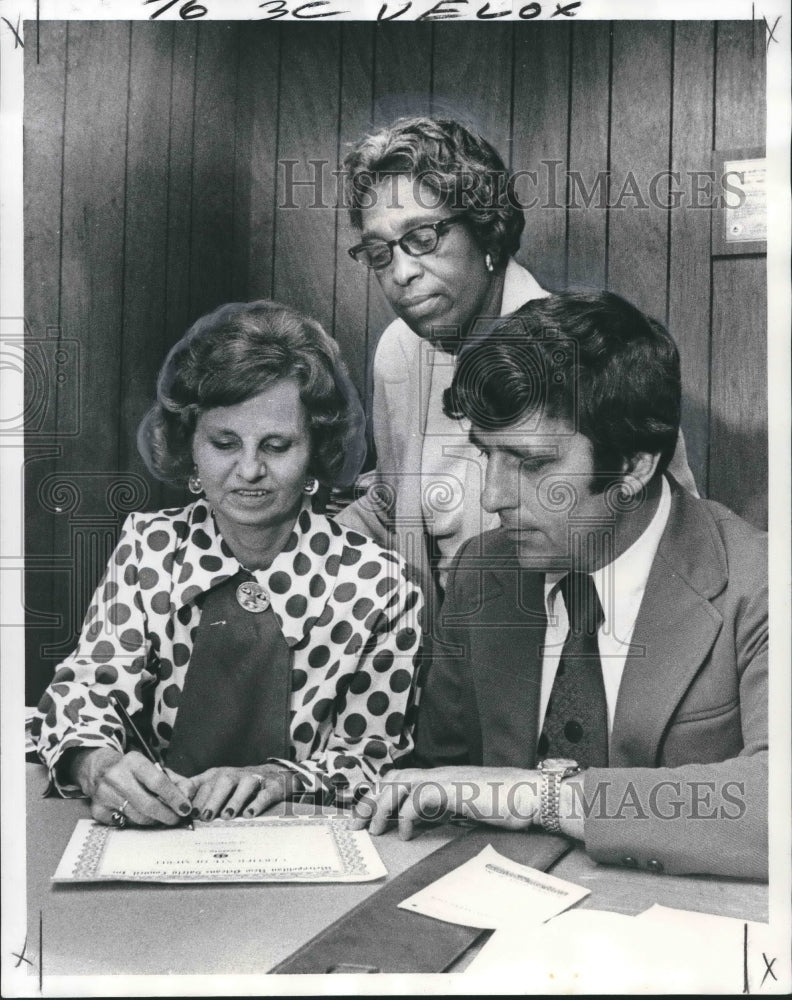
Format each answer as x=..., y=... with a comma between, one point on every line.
x=550, y=801
x=553, y=771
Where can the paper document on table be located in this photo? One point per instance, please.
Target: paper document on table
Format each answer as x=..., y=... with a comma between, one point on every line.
x=492, y=891
x=698, y=923
x=594, y=951
x=294, y=849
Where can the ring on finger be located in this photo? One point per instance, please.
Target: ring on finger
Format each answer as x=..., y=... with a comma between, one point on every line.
x=262, y=781
x=118, y=819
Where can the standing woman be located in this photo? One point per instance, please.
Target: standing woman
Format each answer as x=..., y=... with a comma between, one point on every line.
x=265, y=650
x=439, y=223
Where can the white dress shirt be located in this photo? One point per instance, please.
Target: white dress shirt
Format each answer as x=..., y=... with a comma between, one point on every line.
x=620, y=586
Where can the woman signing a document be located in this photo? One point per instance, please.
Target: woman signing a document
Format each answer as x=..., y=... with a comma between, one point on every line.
x=262, y=650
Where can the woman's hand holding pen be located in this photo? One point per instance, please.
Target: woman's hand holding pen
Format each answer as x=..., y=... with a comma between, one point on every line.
x=130, y=784
x=225, y=792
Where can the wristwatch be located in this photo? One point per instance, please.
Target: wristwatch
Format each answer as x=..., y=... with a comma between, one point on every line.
x=553, y=771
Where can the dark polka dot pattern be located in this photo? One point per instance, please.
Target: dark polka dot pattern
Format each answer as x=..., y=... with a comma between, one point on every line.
x=319, y=656
x=346, y=609
x=296, y=606
x=355, y=725
x=378, y=703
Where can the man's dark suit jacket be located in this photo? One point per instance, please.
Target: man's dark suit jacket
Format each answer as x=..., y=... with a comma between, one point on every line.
x=686, y=789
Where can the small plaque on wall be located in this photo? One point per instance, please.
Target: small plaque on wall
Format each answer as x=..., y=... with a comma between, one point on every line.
x=741, y=226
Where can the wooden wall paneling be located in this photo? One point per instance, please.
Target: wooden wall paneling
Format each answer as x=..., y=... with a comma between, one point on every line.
x=351, y=282
x=45, y=94
x=212, y=252
x=689, y=279
x=92, y=286
x=587, y=214
x=738, y=430
x=309, y=114
x=178, y=310
x=473, y=78
x=738, y=427
x=640, y=137
x=541, y=136
x=402, y=86
x=256, y=142
x=740, y=106
x=403, y=70
x=145, y=342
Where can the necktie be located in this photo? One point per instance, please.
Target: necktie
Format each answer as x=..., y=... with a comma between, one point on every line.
x=234, y=708
x=576, y=719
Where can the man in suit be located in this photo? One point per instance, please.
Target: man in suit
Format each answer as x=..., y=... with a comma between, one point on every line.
x=602, y=669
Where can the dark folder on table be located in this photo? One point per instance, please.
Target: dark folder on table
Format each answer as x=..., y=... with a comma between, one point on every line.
x=376, y=936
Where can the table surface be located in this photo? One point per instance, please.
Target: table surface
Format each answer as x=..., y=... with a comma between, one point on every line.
x=248, y=929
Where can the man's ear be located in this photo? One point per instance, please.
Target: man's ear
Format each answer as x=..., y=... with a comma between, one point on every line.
x=639, y=470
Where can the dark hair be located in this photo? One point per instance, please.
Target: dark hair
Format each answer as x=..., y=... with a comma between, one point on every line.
x=590, y=358
x=233, y=354
x=451, y=161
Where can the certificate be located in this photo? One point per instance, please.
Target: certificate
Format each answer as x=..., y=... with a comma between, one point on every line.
x=293, y=849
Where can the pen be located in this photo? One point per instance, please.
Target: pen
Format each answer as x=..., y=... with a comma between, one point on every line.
x=126, y=718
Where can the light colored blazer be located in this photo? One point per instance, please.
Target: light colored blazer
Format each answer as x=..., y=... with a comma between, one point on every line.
x=686, y=789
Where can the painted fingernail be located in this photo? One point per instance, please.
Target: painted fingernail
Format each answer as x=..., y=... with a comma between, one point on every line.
x=250, y=812
x=228, y=813
x=185, y=809
x=196, y=812
x=206, y=815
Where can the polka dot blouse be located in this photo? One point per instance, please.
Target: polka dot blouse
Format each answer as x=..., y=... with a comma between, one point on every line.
x=344, y=605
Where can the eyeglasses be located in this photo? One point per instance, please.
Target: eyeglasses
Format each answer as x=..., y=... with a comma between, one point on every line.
x=377, y=254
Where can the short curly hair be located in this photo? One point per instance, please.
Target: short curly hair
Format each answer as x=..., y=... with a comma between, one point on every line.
x=588, y=357
x=233, y=354
x=454, y=163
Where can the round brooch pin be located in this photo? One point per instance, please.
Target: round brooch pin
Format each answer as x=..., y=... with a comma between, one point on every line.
x=252, y=597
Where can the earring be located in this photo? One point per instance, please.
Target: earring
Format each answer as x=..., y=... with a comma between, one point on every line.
x=311, y=486
x=194, y=484
x=488, y=262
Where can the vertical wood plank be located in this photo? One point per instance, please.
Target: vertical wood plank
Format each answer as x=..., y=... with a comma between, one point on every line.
x=402, y=86
x=92, y=270
x=738, y=450
x=257, y=138
x=740, y=108
x=402, y=71
x=92, y=297
x=309, y=112
x=587, y=215
x=351, y=283
x=180, y=180
x=689, y=255
x=640, y=137
x=473, y=78
x=541, y=135
x=212, y=256
x=738, y=430
x=144, y=340
x=178, y=309
x=45, y=95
